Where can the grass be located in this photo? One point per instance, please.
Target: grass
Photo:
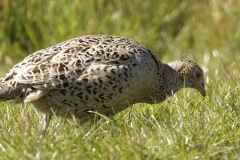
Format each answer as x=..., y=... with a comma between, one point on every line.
x=185, y=126
x=182, y=127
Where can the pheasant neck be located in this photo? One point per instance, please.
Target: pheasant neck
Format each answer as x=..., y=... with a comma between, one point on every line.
x=173, y=80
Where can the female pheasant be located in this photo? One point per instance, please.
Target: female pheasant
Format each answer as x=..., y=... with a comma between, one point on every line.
x=100, y=73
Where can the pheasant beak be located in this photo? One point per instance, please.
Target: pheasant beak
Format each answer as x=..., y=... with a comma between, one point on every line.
x=201, y=89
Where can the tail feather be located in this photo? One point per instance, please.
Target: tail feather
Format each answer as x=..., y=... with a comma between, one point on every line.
x=10, y=93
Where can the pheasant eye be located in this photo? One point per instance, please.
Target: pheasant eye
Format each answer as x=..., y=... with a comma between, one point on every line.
x=198, y=75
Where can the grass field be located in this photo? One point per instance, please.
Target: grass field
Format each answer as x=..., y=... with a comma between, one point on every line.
x=185, y=126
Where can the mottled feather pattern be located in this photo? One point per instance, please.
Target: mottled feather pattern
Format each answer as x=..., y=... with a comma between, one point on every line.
x=94, y=73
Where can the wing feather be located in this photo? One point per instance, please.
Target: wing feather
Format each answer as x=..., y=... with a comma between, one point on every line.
x=64, y=63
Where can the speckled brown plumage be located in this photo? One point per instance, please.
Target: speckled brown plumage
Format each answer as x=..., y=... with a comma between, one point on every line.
x=96, y=73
